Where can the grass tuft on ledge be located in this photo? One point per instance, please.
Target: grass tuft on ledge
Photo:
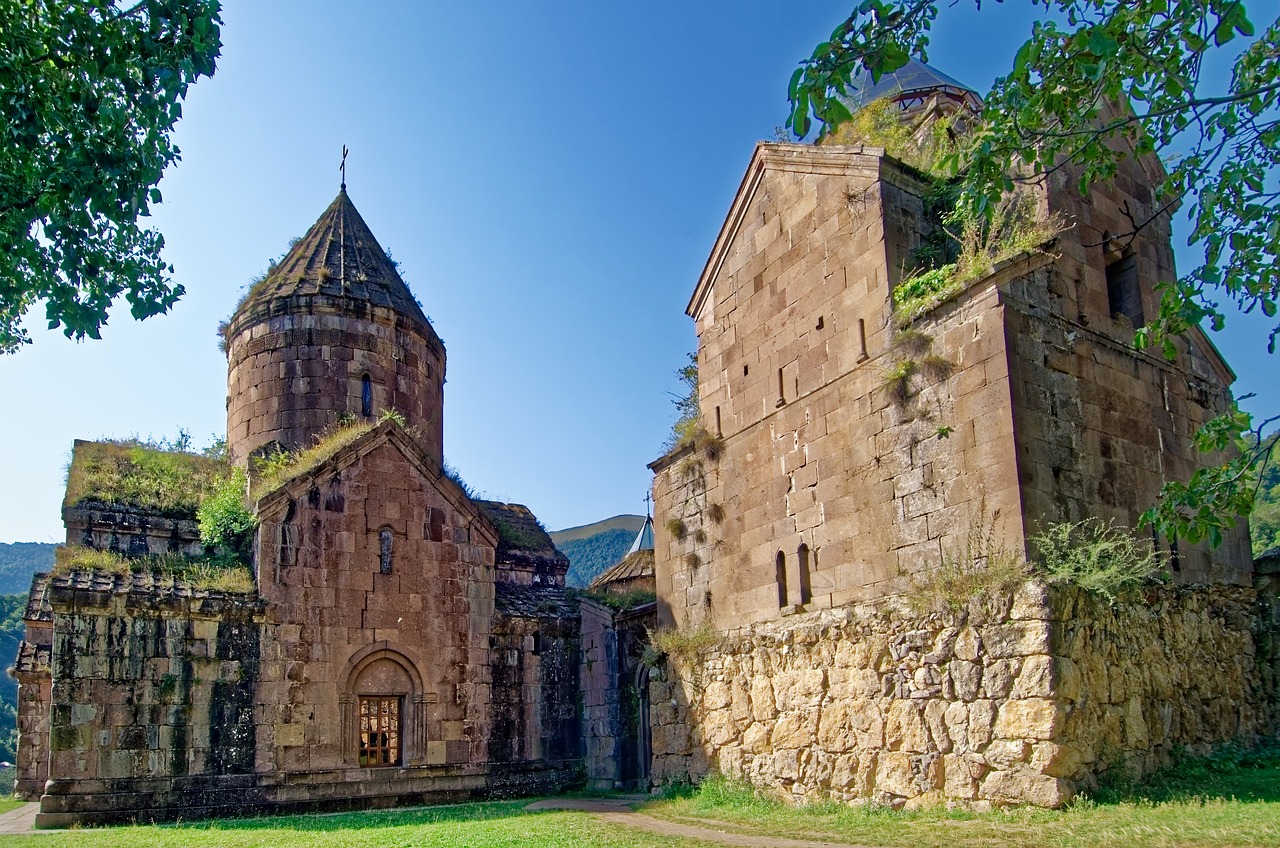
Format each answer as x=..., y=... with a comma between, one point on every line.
x=131, y=474
x=269, y=474
x=213, y=573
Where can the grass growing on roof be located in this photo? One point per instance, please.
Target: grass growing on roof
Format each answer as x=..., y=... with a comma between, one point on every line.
x=128, y=473
x=273, y=472
x=215, y=574
x=1014, y=227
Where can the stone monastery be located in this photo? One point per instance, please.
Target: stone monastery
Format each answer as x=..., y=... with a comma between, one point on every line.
x=403, y=642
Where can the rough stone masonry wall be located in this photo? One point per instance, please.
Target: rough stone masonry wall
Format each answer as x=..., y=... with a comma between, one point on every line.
x=1022, y=700
x=152, y=705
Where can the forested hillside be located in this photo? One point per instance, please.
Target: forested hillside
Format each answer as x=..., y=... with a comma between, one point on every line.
x=592, y=548
x=12, y=608
x=19, y=560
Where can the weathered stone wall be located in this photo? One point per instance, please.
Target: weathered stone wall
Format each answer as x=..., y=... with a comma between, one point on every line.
x=826, y=491
x=34, y=699
x=534, y=710
x=130, y=532
x=1024, y=699
x=1101, y=426
x=615, y=696
x=601, y=713
x=151, y=699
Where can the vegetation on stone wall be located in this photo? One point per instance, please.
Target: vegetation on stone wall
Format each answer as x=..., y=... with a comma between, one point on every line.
x=1013, y=227
x=273, y=471
x=1100, y=557
x=219, y=573
x=1096, y=84
x=225, y=520
x=930, y=148
x=147, y=476
x=1095, y=555
x=979, y=568
x=683, y=643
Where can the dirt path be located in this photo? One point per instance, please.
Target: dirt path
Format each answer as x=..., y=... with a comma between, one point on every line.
x=618, y=811
x=20, y=819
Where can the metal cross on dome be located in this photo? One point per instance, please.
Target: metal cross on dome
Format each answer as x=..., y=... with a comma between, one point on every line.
x=343, y=167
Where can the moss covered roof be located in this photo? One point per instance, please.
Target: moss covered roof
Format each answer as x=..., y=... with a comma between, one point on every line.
x=133, y=476
x=521, y=538
x=337, y=258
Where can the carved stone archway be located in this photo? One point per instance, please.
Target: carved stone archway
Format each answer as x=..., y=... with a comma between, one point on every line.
x=385, y=670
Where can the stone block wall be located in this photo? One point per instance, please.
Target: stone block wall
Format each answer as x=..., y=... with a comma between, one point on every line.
x=151, y=703
x=1101, y=426
x=615, y=696
x=337, y=606
x=290, y=377
x=131, y=533
x=535, y=703
x=1020, y=700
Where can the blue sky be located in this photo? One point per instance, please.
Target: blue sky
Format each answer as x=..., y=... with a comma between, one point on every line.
x=550, y=177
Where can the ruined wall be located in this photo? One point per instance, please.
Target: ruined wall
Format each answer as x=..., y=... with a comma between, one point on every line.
x=1019, y=700
x=825, y=490
x=130, y=532
x=151, y=699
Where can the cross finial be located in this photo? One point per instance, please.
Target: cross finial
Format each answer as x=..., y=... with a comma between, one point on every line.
x=343, y=167
x=647, y=498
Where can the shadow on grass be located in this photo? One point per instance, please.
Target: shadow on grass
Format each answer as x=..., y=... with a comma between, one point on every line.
x=1235, y=772
x=368, y=819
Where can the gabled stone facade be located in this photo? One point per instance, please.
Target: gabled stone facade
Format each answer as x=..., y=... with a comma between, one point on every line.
x=402, y=643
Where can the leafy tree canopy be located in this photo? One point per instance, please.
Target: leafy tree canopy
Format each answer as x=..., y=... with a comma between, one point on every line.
x=89, y=93
x=1094, y=73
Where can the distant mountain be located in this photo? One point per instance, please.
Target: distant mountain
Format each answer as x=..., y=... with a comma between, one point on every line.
x=592, y=548
x=19, y=560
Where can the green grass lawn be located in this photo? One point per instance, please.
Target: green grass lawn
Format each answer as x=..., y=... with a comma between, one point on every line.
x=492, y=825
x=7, y=804
x=1232, y=799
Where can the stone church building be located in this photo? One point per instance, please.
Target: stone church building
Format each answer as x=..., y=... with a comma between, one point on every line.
x=404, y=642
x=854, y=457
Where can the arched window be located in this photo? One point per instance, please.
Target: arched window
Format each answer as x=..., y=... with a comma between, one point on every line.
x=382, y=709
x=384, y=550
x=366, y=396
x=806, y=589
x=782, y=580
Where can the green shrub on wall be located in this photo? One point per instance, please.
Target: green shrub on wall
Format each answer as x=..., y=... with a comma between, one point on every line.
x=225, y=521
x=1096, y=555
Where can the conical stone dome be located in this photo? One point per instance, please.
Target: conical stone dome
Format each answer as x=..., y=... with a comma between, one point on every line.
x=330, y=335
